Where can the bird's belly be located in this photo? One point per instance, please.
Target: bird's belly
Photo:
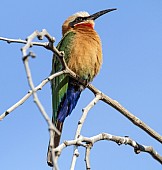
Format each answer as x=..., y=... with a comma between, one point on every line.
x=86, y=66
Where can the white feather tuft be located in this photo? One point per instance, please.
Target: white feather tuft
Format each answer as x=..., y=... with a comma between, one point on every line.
x=81, y=14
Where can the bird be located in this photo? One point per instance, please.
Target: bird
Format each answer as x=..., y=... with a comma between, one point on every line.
x=82, y=49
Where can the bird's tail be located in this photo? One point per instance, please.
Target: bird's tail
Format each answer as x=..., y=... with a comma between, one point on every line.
x=66, y=106
x=59, y=126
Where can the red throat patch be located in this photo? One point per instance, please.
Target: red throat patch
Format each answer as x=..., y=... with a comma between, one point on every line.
x=85, y=25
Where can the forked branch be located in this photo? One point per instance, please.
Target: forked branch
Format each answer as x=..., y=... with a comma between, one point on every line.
x=79, y=140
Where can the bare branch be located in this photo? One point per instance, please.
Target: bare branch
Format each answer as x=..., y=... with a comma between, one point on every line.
x=79, y=140
x=29, y=76
x=85, y=112
x=54, y=159
x=9, y=40
x=90, y=141
x=80, y=124
x=36, y=100
x=23, y=99
x=128, y=141
x=87, y=156
x=52, y=128
x=135, y=120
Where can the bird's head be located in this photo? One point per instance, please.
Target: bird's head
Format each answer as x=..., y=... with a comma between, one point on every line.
x=82, y=18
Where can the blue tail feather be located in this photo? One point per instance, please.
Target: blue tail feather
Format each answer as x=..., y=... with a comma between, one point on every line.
x=69, y=102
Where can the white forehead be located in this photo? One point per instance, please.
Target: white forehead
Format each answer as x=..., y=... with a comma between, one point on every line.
x=81, y=14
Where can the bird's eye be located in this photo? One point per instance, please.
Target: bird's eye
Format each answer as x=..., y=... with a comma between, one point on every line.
x=79, y=19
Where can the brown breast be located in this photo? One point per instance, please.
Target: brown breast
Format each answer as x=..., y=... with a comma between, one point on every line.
x=86, y=53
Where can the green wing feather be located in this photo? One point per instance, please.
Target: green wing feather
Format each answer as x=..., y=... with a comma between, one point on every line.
x=59, y=84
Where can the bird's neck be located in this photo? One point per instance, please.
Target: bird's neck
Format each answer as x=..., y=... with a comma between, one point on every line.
x=89, y=25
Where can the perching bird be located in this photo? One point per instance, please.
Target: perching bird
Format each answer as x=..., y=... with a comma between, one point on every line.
x=83, y=54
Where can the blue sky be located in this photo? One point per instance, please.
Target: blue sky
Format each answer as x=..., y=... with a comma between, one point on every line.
x=131, y=74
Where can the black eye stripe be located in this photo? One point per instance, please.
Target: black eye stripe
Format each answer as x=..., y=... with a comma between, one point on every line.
x=77, y=20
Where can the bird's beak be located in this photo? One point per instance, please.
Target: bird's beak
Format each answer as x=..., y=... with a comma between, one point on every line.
x=98, y=14
x=91, y=17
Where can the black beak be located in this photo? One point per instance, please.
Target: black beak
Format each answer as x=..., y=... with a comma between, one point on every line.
x=91, y=17
x=98, y=14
